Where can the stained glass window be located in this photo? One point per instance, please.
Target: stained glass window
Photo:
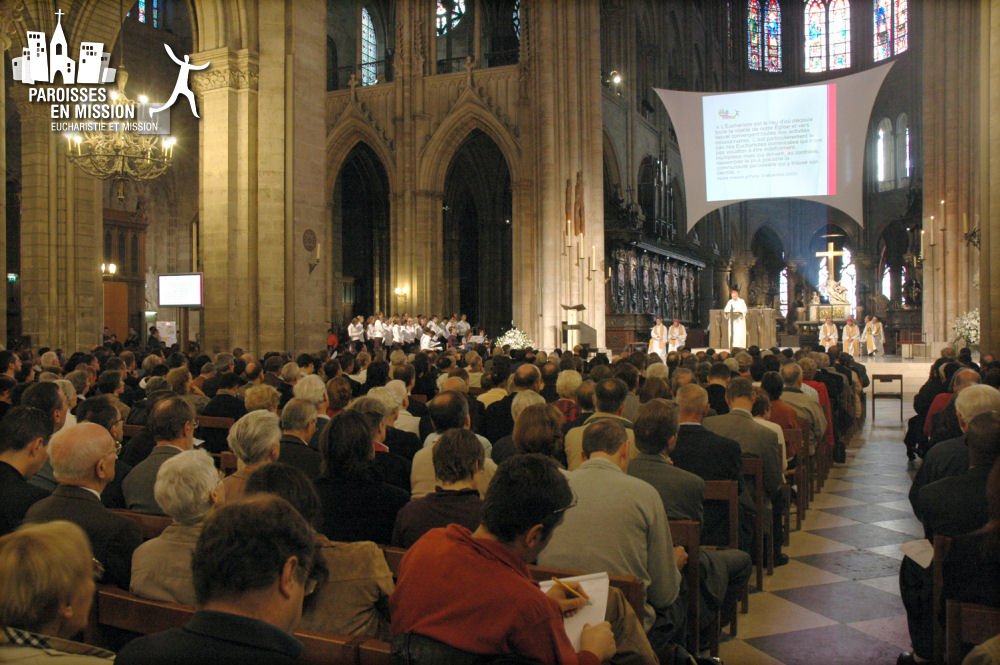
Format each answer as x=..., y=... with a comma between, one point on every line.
x=902, y=149
x=141, y=11
x=840, y=34
x=753, y=35
x=885, y=153
x=449, y=13
x=887, y=282
x=772, y=37
x=156, y=13
x=891, y=19
x=369, y=69
x=900, y=21
x=815, y=30
x=517, y=18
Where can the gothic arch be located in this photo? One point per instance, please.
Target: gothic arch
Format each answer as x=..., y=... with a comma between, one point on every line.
x=449, y=137
x=612, y=168
x=342, y=141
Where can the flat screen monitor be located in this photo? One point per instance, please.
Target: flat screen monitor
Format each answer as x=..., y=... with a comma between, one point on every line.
x=181, y=290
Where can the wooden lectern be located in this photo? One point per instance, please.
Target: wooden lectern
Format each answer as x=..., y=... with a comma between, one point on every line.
x=572, y=328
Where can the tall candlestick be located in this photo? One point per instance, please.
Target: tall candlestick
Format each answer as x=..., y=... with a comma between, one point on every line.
x=569, y=232
x=593, y=256
x=932, y=230
x=965, y=222
x=921, y=244
x=944, y=220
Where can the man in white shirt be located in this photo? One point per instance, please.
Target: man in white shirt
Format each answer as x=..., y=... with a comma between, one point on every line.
x=356, y=333
x=736, y=320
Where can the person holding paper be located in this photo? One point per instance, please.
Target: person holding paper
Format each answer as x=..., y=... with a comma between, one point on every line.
x=851, y=337
x=735, y=314
x=471, y=592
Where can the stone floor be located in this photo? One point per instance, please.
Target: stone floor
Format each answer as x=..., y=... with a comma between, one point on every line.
x=837, y=601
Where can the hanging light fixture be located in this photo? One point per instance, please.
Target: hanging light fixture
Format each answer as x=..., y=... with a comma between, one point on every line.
x=120, y=155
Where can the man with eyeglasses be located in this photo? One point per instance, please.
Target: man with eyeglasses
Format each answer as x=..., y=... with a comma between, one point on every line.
x=254, y=564
x=83, y=460
x=460, y=592
x=173, y=425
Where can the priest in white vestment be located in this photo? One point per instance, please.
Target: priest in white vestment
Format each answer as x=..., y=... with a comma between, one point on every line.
x=736, y=320
x=851, y=337
x=828, y=335
x=658, y=339
x=875, y=337
x=677, y=336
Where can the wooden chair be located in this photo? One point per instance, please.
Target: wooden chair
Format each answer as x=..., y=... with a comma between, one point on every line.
x=753, y=472
x=808, y=451
x=729, y=492
x=887, y=378
x=374, y=652
x=227, y=462
x=687, y=534
x=215, y=422
x=393, y=557
x=419, y=398
x=799, y=477
x=967, y=623
x=150, y=526
x=132, y=430
x=942, y=545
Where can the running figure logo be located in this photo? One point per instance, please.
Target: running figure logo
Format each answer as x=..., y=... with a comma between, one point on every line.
x=181, y=87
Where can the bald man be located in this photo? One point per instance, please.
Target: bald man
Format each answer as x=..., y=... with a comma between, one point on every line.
x=498, y=421
x=83, y=459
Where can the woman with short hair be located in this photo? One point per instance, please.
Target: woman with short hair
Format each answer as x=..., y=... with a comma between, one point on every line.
x=47, y=586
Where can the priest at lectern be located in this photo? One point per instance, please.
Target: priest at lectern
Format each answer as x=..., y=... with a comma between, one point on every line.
x=735, y=315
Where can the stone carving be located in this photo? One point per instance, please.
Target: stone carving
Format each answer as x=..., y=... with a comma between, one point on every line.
x=644, y=283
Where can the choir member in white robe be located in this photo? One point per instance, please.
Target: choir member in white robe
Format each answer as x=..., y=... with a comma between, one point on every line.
x=658, y=339
x=356, y=333
x=736, y=320
x=828, y=335
x=677, y=336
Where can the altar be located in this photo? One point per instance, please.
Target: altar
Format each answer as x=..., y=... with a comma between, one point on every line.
x=761, y=328
x=838, y=312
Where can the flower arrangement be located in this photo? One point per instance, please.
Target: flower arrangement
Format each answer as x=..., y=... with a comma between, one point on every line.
x=967, y=327
x=515, y=339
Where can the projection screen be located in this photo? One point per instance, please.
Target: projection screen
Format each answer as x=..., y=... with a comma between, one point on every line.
x=805, y=142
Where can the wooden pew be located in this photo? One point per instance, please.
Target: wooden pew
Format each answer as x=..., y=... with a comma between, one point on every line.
x=753, y=471
x=128, y=431
x=687, y=534
x=967, y=623
x=800, y=476
x=150, y=526
x=729, y=492
x=121, y=610
x=631, y=587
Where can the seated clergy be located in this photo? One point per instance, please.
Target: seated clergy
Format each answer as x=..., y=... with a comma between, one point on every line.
x=254, y=564
x=187, y=486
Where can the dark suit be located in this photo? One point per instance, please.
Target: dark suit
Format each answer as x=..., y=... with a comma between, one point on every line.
x=403, y=443
x=321, y=421
x=112, y=537
x=955, y=505
x=138, y=484
x=16, y=496
x=948, y=458
x=220, y=406
x=712, y=457
x=717, y=398
x=417, y=409
x=498, y=421
x=393, y=469
x=296, y=452
x=214, y=638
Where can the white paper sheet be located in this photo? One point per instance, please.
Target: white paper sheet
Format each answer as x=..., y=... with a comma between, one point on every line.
x=920, y=551
x=596, y=587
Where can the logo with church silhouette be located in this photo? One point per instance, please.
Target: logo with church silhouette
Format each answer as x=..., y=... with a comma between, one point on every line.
x=46, y=63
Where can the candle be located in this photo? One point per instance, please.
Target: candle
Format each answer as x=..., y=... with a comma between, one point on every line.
x=593, y=256
x=318, y=245
x=965, y=223
x=569, y=232
x=932, y=230
x=921, y=244
x=944, y=220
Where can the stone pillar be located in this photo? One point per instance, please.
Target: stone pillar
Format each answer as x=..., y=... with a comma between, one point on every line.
x=8, y=14
x=868, y=281
x=723, y=268
x=988, y=203
x=61, y=221
x=955, y=76
x=227, y=207
x=742, y=264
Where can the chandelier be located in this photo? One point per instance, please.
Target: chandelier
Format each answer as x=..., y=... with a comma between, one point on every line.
x=120, y=155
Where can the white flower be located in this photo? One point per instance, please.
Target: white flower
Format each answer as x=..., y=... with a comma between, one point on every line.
x=515, y=339
x=966, y=327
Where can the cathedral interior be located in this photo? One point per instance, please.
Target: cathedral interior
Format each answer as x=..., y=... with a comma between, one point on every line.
x=501, y=158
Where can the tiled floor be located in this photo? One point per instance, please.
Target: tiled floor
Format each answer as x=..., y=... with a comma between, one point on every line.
x=837, y=601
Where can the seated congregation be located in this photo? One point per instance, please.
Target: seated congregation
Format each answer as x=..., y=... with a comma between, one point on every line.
x=267, y=509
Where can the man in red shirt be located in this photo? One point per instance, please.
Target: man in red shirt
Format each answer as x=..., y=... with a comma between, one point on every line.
x=472, y=591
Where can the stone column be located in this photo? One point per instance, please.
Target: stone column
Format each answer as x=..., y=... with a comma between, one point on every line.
x=988, y=203
x=723, y=269
x=867, y=281
x=8, y=13
x=61, y=220
x=742, y=264
x=227, y=207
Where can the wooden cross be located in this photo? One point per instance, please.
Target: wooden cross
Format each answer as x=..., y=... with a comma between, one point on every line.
x=831, y=254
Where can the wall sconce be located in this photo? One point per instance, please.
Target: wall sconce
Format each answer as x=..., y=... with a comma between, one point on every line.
x=109, y=269
x=314, y=259
x=401, y=291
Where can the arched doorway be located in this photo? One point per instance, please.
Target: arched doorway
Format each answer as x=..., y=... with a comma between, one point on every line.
x=477, y=225
x=361, y=206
